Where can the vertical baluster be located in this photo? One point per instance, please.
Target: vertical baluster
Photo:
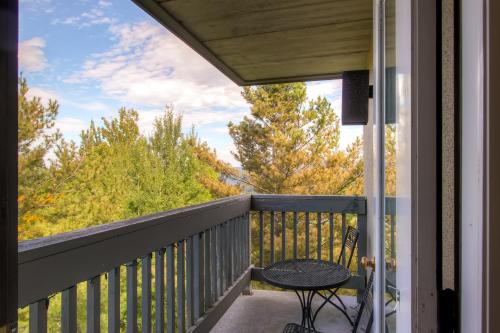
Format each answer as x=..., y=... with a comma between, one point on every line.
x=362, y=242
x=208, y=270
x=238, y=246
x=38, y=316
x=132, y=297
x=361, y=248
x=114, y=300
x=160, y=290
x=230, y=251
x=344, y=222
x=234, y=246
x=94, y=305
x=68, y=310
x=220, y=231
x=318, y=220
x=243, y=243
x=181, y=295
x=330, y=246
x=202, y=274
x=393, y=245
x=295, y=235
x=170, y=289
x=215, y=264
x=283, y=235
x=307, y=235
x=249, y=240
x=189, y=282
x=261, y=239
x=272, y=237
x=146, y=293
x=197, y=277
x=213, y=254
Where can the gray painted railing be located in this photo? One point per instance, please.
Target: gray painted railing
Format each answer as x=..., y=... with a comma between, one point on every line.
x=192, y=262
x=204, y=249
x=323, y=220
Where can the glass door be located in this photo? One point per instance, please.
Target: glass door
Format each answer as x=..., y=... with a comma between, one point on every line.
x=392, y=166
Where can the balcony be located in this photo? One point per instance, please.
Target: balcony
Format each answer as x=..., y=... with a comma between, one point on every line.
x=182, y=270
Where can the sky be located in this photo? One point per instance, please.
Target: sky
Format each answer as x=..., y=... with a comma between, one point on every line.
x=95, y=56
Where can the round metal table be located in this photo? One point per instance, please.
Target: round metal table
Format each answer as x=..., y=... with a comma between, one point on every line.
x=306, y=277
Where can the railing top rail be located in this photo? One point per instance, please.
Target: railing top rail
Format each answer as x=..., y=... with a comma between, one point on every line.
x=309, y=203
x=40, y=247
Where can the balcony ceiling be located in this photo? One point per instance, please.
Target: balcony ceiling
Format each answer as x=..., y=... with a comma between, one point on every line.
x=264, y=41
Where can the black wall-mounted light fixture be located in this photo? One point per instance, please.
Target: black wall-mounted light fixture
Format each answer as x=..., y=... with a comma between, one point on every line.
x=356, y=92
x=355, y=95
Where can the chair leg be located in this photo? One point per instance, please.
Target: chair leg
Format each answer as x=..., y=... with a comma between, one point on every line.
x=341, y=302
x=328, y=299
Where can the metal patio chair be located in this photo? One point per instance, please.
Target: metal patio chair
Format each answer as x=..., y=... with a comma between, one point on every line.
x=364, y=318
x=349, y=243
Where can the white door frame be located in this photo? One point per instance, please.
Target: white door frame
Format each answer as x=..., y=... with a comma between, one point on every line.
x=417, y=165
x=492, y=255
x=472, y=165
x=480, y=177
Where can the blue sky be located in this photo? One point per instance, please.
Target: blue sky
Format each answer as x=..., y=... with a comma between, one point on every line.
x=95, y=56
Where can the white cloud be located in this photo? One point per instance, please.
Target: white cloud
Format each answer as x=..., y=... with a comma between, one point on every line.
x=220, y=130
x=103, y=3
x=323, y=88
x=226, y=155
x=94, y=16
x=69, y=125
x=191, y=118
x=146, y=65
x=43, y=93
x=31, y=55
x=91, y=106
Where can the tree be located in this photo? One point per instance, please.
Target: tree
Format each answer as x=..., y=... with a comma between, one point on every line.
x=115, y=173
x=291, y=145
x=36, y=137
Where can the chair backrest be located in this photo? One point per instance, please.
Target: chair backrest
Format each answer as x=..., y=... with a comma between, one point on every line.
x=349, y=243
x=364, y=319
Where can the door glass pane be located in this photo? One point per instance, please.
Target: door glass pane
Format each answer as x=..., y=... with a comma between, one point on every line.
x=391, y=283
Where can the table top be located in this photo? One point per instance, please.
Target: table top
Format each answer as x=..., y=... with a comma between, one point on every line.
x=306, y=274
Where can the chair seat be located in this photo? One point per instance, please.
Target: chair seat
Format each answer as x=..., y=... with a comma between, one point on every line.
x=296, y=328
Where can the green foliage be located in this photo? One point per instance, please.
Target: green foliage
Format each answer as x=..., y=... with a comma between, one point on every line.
x=291, y=145
x=36, y=137
x=114, y=174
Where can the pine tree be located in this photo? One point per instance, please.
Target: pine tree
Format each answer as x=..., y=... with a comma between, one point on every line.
x=291, y=145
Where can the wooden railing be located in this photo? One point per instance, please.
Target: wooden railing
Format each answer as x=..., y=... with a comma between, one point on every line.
x=207, y=266
x=193, y=262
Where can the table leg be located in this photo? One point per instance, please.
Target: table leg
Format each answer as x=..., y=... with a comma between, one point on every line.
x=306, y=298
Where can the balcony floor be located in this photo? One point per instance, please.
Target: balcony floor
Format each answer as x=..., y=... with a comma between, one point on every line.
x=269, y=311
